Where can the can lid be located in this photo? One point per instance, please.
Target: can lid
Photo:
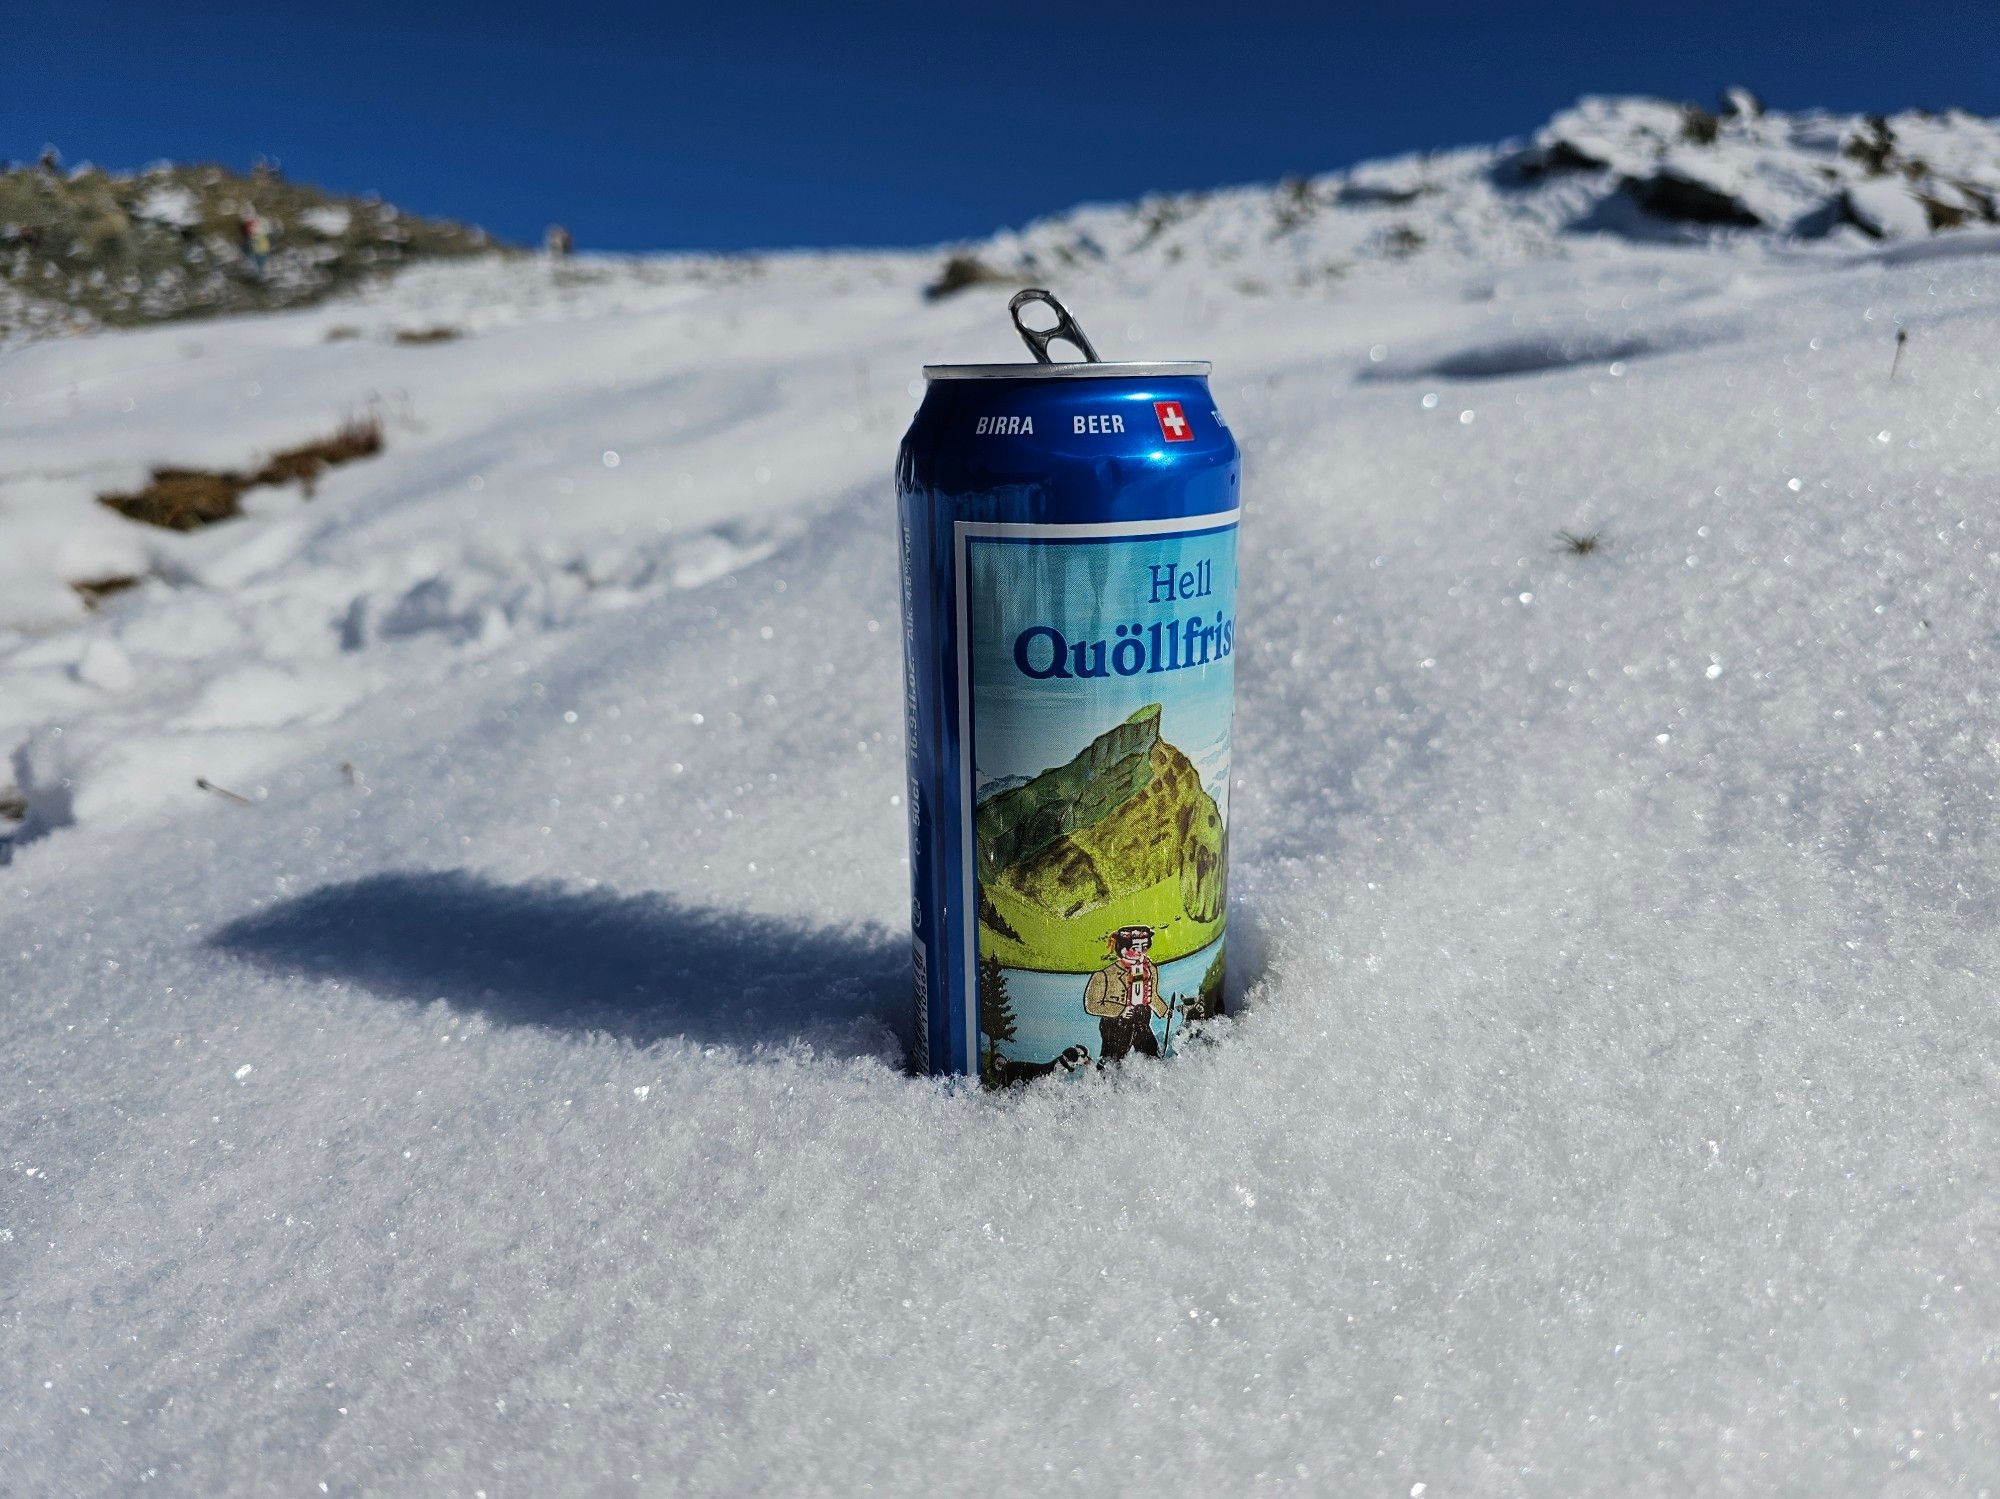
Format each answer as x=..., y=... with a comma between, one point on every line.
x=1079, y=370
x=1066, y=330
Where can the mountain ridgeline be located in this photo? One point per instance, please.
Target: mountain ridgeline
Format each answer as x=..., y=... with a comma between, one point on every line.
x=85, y=247
x=1123, y=833
x=1650, y=171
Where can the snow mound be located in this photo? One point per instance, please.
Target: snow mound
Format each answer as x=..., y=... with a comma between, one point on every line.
x=1617, y=168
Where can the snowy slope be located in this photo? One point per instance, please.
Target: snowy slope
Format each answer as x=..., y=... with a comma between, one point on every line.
x=510, y=1099
x=1595, y=178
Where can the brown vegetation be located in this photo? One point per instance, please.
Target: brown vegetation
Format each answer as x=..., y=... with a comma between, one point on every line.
x=182, y=499
x=94, y=591
x=441, y=334
x=1698, y=126
x=959, y=272
x=1579, y=543
x=360, y=437
x=186, y=499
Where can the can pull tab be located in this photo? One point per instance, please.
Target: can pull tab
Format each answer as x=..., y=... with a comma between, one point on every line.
x=1039, y=339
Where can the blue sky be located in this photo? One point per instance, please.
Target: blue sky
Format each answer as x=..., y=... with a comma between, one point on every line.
x=1022, y=727
x=743, y=126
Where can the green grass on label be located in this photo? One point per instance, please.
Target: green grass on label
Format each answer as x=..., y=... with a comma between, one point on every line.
x=1053, y=945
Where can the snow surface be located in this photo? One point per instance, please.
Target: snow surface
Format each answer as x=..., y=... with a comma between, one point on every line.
x=509, y=1098
x=171, y=204
x=330, y=219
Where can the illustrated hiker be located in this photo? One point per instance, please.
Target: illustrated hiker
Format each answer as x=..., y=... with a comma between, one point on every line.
x=1125, y=996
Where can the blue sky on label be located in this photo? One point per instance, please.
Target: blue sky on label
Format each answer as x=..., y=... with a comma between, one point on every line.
x=671, y=126
x=1086, y=590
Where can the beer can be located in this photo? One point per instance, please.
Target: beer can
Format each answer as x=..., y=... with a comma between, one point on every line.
x=1069, y=633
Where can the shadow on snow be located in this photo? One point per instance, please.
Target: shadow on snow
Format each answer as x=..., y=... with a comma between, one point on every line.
x=642, y=967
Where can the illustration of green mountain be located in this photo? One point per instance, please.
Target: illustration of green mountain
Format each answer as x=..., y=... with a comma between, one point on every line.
x=1123, y=834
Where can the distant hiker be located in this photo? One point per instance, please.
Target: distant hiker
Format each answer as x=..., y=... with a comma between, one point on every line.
x=558, y=242
x=256, y=240
x=1125, y=996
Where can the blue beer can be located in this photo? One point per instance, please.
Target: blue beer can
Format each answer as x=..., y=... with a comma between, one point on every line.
x=1069, y=634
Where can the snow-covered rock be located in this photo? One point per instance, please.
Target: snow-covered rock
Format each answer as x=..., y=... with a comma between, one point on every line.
x=331, y=220
x=1625, y=168
x=1887, y=209
x=130, y=248
x=172, y=204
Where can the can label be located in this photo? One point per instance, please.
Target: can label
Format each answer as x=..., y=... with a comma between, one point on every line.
x=1096, y=688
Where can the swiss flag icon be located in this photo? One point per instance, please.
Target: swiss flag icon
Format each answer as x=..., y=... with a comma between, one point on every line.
x=1173, y=421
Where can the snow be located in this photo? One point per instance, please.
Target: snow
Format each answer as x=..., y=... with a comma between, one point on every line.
x=495, y=1081
x=1887, y=209
x=330, y=219
x=172, y=204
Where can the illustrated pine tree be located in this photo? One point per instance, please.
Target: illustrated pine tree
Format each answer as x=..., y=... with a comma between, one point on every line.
x=996, y=1016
